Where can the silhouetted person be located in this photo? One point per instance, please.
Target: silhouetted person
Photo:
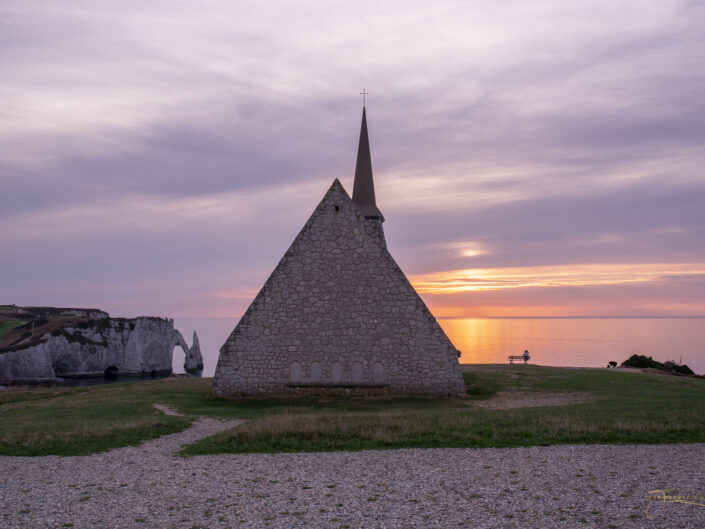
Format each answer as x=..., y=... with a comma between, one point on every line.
x=526, y=356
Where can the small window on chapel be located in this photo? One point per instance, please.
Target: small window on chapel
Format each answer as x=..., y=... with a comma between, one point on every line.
x=295, y=372
x=337, y=372
x=337, y=208
x=357, y=372
x=315, y=372
x=378, y=373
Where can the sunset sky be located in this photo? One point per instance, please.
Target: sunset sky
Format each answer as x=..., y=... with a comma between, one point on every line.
x=531, y=158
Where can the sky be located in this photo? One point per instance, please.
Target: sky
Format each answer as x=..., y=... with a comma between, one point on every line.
x=530, y=158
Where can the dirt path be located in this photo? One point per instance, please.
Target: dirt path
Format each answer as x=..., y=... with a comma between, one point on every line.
x=505, y=400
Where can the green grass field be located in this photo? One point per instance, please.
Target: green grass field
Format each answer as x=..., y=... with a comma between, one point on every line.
x=611, y=407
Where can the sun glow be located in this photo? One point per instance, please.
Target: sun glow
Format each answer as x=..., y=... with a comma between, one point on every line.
x=464, y=249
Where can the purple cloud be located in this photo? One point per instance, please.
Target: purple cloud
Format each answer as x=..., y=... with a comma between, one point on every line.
x=157, y=154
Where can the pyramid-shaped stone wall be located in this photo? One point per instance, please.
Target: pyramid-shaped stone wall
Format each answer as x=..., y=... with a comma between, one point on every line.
x=337, y=315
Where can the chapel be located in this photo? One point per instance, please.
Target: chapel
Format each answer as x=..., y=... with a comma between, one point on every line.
x=337, y=315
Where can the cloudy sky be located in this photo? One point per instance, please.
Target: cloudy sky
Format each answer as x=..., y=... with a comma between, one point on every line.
x=531, y=158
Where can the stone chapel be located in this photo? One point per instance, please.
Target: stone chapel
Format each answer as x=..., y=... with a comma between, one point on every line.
x=337, y=315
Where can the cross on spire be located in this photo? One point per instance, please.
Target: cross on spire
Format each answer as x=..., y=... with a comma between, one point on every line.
x=363, y=94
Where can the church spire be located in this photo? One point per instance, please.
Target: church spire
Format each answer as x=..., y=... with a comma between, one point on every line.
x=364, y=188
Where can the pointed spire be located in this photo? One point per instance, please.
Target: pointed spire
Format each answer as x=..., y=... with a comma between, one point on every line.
x=364, y=188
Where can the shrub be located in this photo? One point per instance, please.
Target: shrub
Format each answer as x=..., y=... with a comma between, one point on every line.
x=642, y=361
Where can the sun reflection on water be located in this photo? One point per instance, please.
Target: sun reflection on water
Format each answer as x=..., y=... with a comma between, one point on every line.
x=580, y=342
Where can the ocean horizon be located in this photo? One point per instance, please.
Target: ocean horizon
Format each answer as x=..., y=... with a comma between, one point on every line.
x=563, y=341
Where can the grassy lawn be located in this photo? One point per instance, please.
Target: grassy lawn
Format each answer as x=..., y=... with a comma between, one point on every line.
x=626, y=408
x=621, y=408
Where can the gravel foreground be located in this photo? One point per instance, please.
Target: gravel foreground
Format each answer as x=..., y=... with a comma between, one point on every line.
x=538, y=487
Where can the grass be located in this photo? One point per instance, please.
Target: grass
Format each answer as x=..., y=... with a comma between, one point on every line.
x=79, y=421
x=626, y=408
x=8, y=325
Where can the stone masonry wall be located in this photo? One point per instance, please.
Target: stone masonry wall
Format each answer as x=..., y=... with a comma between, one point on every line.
x=337, y=312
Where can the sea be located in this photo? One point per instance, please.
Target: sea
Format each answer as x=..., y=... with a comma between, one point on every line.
x=576, y=342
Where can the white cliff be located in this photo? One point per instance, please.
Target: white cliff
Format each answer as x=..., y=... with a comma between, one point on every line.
x=97, y=347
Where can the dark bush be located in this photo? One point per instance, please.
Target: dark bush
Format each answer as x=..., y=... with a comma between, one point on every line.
x=642, y=361
x=682, y=369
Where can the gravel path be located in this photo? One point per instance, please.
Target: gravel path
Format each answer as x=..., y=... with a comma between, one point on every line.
x=506, y=400
x=539, y=487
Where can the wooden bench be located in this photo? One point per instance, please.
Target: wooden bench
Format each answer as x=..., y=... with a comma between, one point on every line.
x=519, y=357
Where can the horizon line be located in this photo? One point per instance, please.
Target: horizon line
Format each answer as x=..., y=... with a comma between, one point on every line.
x=524, y=317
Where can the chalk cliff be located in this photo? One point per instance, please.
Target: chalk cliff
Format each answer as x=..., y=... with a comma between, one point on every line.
x=89, y=343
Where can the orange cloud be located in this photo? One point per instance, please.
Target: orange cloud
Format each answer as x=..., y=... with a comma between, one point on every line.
x=484, y=279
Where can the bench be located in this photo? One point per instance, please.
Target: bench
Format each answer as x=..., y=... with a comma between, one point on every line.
x=518, y=357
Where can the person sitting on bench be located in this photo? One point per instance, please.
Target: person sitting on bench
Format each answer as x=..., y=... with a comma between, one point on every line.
x=525, y=357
